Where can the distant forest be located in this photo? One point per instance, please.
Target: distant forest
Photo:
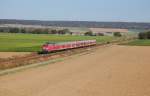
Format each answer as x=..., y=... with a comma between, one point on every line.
x=89, y=24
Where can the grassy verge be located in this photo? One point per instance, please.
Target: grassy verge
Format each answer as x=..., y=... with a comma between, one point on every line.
x=12, y=42
x=139, y=43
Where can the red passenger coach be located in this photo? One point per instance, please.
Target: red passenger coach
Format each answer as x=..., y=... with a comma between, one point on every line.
x=49, y=47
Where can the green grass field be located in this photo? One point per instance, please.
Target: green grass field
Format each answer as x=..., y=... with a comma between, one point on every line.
x=11, y=42
x=139, y=43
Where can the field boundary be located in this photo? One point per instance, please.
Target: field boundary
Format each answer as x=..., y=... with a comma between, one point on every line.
x=25, y=67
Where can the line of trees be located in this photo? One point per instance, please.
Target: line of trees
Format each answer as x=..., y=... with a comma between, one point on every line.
x=44, y=31
x=144, y=35
x=35, y=31
x=52, y=31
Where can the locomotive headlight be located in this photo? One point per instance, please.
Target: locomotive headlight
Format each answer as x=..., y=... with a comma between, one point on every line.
x=45, y=48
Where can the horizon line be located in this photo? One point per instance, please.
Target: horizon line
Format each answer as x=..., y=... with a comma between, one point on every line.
x=75, y=20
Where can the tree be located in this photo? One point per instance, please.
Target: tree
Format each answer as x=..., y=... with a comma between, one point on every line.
x=89, y=33
x=100, y=34
x=14, y=30
x=22, y=30
x=1, y=30
x=142, y=35
x=117, y=34
x=148, y=35
x=45, y=31
x=37, y=31
x=70, y=33
x=67, y=31
x=63, y=31
x=53, y=31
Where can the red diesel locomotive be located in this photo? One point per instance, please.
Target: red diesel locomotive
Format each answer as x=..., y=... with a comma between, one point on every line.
x=49, y=47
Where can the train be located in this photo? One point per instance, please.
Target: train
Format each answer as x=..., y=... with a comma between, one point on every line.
x=51, y=47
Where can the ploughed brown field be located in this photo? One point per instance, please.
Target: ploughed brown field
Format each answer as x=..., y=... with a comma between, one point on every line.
x=108, y=71
x=12, y=54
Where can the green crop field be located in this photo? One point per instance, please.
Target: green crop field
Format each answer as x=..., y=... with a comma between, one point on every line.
x=11, y=42
x=139, y=43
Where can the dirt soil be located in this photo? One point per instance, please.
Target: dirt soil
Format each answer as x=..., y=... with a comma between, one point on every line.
x=109, y=71
x=12, y=54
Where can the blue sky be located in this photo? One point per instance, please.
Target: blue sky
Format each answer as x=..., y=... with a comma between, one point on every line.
x=76, y=10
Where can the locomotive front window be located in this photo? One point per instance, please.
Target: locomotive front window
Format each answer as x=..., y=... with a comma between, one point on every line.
x=50, y=43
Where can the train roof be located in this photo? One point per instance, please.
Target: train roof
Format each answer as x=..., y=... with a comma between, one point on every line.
x=69, y=42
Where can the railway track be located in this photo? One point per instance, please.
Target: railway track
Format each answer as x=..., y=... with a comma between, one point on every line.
x=36, y=58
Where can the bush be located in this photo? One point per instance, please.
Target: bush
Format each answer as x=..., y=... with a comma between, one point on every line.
x=144, y=35
x=148, y=35
x=100, y=34
x=14, y=30
x=117, y=34
x=23, y=31
x=89, y=33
